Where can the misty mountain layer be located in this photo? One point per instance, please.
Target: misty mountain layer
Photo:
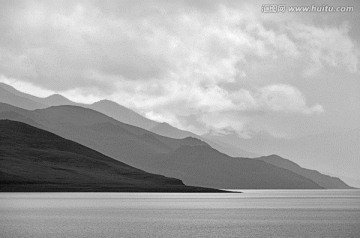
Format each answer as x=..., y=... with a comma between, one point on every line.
x=189, y=159
x=14, y=97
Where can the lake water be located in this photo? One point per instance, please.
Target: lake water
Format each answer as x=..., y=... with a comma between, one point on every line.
x=254, y=213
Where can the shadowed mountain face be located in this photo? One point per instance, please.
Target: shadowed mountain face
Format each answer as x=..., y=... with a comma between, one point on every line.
x=14, y=97
x=36, y=160
x=324, y=181
x=188, y=159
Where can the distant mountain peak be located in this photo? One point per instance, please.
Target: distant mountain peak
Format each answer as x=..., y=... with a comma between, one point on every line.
x=109, y=103
x=164, y=124
x=57, y=99
x=57, y=96
x=106, y=101
x=274, y=156
x=190, y=138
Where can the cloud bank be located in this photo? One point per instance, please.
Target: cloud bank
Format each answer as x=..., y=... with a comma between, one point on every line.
x=198, y=66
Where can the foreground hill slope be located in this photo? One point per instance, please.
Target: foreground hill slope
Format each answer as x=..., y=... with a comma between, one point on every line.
x=36, y=160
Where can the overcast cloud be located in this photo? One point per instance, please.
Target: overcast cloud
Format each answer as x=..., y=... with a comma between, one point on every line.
x=203, y=66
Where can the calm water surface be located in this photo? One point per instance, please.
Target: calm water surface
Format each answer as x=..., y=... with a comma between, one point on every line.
x=254, y=213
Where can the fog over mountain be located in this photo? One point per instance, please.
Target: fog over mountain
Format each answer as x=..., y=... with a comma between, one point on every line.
x=14, y=97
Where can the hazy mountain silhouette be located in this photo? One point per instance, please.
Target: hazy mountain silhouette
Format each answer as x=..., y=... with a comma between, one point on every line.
x=189, y=159
x=167, y=130
x=203, y=165
x=324, y=181
x=36, y=160
x=228, y=145
x=119, y=113
x=121, y=141
x=56, y=100
x=334, y=152
x=16, y=92
x=122, y=114
x=19, y=101
x=33, y=101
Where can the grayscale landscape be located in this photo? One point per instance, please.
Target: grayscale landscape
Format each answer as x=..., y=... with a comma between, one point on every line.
x=179, y=118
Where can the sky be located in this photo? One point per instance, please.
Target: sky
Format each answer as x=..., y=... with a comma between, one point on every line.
x=216, y=67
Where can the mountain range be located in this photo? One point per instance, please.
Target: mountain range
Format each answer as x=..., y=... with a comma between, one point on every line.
x=194, y=161
x=14, y=97
x=190, y=159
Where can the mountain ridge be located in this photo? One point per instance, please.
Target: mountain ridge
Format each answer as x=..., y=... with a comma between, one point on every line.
x=336, y=152
x=187, y=161
x=323, y=180
x=120, y=113
x=143, y=149
x=56, y=164
x=150, y=143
